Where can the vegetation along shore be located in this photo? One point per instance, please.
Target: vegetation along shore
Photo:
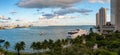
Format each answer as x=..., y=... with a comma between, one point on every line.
x=92, y=44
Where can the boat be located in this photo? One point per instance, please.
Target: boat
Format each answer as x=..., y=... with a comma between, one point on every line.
x=42, y=33
x=1, y=40
x=75, y=33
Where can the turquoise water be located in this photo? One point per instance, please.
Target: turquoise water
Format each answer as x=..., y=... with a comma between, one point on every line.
x=29, y=35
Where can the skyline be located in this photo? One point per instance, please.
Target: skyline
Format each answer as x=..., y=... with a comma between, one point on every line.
x=76, y=12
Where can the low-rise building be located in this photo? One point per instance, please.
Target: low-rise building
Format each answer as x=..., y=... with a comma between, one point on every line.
x=107, y=28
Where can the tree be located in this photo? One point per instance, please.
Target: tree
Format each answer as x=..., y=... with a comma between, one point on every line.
x=6, y=45
x=104, y=52
x=44, y=44
x=38, y=46
x=91, y=30
x=114, y=45
x=17, y=47
x=33, y=46
x=20, y=46
x=58, y=43
x=50, y=44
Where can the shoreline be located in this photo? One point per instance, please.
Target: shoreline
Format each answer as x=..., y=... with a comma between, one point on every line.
x=44, y=26
x=63, y=34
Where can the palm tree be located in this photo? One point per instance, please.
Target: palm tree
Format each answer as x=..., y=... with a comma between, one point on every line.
x=63, y=42
x=6, y=45
x=58, y=44
x=91, y=30
x=58, y=47
x=50, y=44
x=45, y=44
x=66, y=42
x=17, y=47
x=33, y=46
x=38, y=46
x=20, y=46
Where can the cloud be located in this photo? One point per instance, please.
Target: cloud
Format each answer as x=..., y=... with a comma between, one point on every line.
x=100, y=1
x=53, y=3
x=48, y=15
x=4, y=18
x=62, y=12
x=13, y=12
x=1, y=17
x=64, y=17
x=72, y=10
x=46, y=3
x=59, y=17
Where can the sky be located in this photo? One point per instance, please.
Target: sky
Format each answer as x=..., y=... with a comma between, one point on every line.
x=58, y=12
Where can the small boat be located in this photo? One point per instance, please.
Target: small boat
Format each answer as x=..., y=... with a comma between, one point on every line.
x=1, y=40
x=42, y=33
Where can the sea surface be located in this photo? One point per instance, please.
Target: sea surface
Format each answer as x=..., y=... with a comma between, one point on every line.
x=34, y=34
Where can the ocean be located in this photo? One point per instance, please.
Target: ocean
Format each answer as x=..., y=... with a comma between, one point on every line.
x=34, y=34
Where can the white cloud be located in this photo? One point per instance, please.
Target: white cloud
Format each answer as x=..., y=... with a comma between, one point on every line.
x=46, y=3
x=1, y=17
x=4, y=18
x=72, y=10
x=92, y=1
x=100, y=1
x=62, y=12
x=53, y=3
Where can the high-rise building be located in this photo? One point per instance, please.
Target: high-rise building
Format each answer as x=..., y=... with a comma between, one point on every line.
x=115, y=13
x=97, y=19
x=102, y=16
x=101, y=19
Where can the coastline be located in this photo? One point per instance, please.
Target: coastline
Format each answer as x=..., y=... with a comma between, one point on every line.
x=27, y=34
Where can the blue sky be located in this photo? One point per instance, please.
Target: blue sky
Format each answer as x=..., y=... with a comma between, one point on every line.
x=82, y=11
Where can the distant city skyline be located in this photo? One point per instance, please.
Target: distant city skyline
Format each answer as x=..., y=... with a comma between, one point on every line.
x=66, y=12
